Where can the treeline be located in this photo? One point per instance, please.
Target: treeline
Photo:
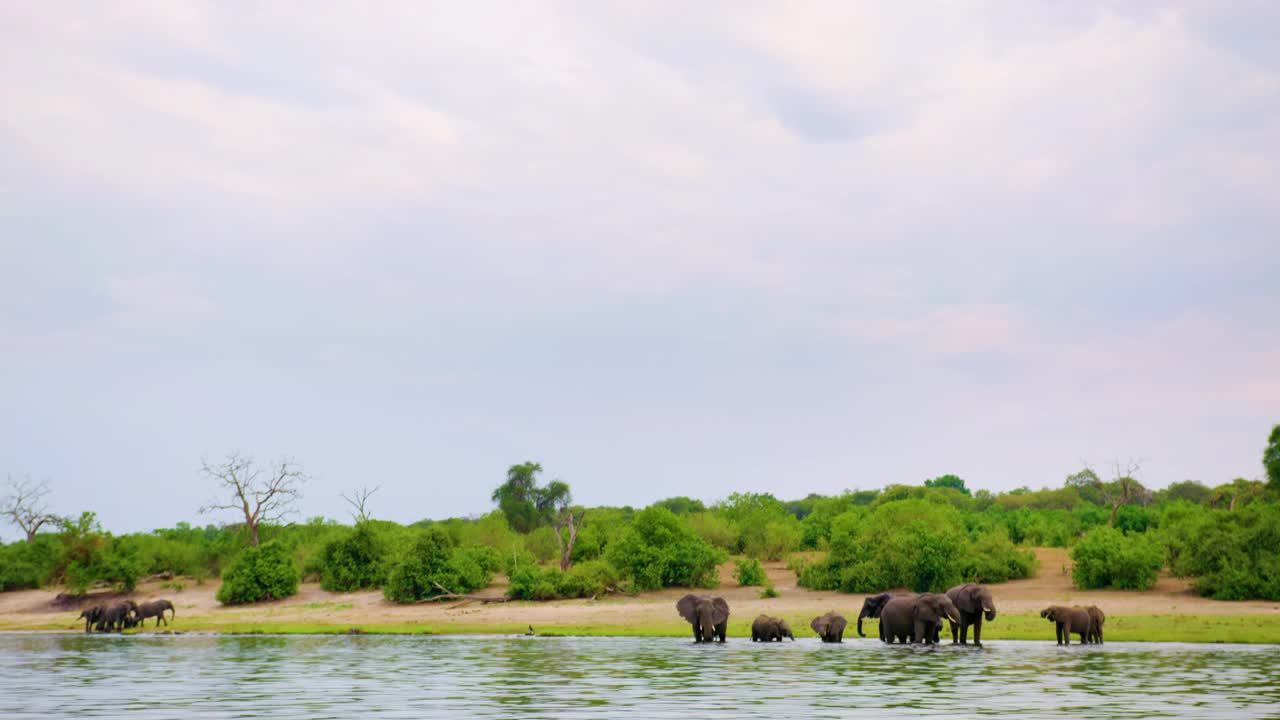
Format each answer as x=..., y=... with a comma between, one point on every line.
x=926, y=538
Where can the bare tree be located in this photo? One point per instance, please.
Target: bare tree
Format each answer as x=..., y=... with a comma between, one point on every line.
x=1124, y=489
x=262, y=494
x=24, y=505
x=358, y=502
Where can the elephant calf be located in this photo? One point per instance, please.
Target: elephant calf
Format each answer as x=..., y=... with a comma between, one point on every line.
x=770, y=629
x=829, y=627
x=117, y=617
x=155, y=609
x=1068, y=620
x=1096, y=619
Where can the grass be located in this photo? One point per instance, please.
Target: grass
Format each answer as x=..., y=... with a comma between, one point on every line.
x=1137, y=628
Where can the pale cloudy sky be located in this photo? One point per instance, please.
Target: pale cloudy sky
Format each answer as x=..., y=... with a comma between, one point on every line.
x=682, y=248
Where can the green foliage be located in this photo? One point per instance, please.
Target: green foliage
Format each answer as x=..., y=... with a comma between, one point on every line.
x=433, y=562
x=993, y=558
x=603, y=526
x=1187, y=491
x=1106, y=557
x=769, y=591
x=950, y=481
x=681, y=505
x=661, y=551
x=764, y=526
x=265, y=572
x=587, y=579
x=355, y=562
x=28, y=565
x=1271, y=458
x=1232, y=555
x=517, y=496
x=715, y=529
x=750, y=572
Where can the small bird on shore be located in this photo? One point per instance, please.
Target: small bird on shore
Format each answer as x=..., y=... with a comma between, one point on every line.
x=531, y=632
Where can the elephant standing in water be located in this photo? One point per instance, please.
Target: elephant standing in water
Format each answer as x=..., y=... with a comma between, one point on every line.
x=829, y=627
x=1096, y=619
x=708, y=615
x=91, y=616
x=973, y=601
x=916, y=618
x=155, y=609
x=871, y=608
x=1068, y=620
x=770, y=629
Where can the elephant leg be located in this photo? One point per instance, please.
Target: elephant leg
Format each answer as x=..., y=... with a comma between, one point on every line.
x=696, y=637
x=977, y=632
x=921, y=635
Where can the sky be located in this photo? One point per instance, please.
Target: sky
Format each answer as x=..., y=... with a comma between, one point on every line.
x=661, y=248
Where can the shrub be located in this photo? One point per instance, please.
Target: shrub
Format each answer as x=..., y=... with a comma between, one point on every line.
x=265, y=572
x=993, y=558
x=28, y=565
x=659, y=550
x=750, y=572
x=1231, y=555
x=769, y=591
x=1107, y=557
x=715, y=530
x=433, y=563
x=355, y=562
x=586, y=579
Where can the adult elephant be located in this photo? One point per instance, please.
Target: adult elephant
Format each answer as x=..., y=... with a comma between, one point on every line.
x=91, y=616
x=916, y=618
x=117, y=616
x=708, y=615
x=871, y=608
x=770, y=629
x=973, y=601
x=1096, y=620
x=155, y=609
x=829, y=627
x=1068, y=620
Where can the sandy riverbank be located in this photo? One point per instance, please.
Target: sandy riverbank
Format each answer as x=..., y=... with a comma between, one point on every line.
x=313, y=609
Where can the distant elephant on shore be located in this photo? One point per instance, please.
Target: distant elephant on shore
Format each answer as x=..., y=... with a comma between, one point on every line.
x=973, y=601
x=91, y=616
x=917, y=618
x=1096, y=620
x=708, y=615
x=155, y=609
x=117, y=616
x=829, y=627
x=770, y=629
x=871, y=608
x=1068, y=620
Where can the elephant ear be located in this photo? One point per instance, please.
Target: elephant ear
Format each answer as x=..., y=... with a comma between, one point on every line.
x=719, y=610
x=819, y=624
x=967, y=600
x=687, y=607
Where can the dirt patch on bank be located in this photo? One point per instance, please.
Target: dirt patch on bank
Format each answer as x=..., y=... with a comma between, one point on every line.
x=1052, y=585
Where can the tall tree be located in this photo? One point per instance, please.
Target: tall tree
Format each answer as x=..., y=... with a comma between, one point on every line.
x=262, y=495
x=948, y=480
x=555, y=505
x=1232, y=493
x=1271, y=458
x=24, y=505
x=517, y=497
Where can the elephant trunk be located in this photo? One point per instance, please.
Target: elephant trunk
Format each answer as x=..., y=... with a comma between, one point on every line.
x=991, y=614
x=860, y=616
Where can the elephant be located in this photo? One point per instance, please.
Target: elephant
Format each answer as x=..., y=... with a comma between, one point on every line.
x=829, y=627
x=770, y=629
x=1096, y=620
x=155, y=609
x=916, y=618
x=1068, y=620
x=973, y=601
x=91, y=616
x=117, y=616
x=708, y=615
x=871, y=608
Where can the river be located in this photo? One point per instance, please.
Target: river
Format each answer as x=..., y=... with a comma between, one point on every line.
x=476, y=677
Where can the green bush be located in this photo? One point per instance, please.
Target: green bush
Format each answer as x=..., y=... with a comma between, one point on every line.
x=587, y=579
x=750, y=572
x=260, y=573
x=434, y=563
x=1232, y=555
x=28, y=565
x=661, y=551
x=769, y=591
x=993, y=558
x=1106, y=557
x=715, y=529
x=355, y=562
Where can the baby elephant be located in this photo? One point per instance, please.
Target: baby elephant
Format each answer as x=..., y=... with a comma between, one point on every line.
x=770, y=629
x=155, y=609
x=829, y=627
x=1068, y=620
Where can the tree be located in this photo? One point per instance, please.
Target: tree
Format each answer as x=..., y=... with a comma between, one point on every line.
x=358, y=502
x=23, y=505
x=951, y=481
x=553, y=503
x=1233, y=492
x=1124, y=489
x=261, y=494
x=516, y=497
x=1271, y=458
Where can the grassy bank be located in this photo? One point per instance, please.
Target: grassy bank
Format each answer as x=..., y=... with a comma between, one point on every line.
x=1129, y=628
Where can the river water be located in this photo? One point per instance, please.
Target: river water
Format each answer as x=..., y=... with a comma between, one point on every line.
x=262, y=676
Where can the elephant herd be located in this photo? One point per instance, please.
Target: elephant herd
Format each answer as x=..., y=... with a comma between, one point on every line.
x=125, y=614
x=903, y=618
